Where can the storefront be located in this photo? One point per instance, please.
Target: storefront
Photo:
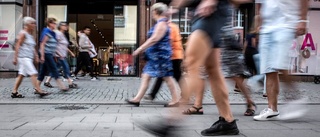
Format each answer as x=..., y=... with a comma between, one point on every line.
x=305, y=54
x=10, y=25
x=114, y=30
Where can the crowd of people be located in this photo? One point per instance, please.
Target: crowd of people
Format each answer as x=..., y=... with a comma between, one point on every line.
x=211, y=53
x=52, y=55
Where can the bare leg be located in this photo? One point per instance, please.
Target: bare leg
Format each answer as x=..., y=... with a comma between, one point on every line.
x=173, y=89
x=60, y=84
x=245, y=91
x=48, y=79
x=272, y=88
x=18, y=83
x=218, y=85
x=197, y=52
x=199, y=95
x=34, y=83
x=143, y=88
x=289, y=86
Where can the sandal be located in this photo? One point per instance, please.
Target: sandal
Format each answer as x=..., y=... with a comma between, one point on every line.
x=16, y=95
x=191, y=112
x=42, y=94
x=250, y=112
x=64, y=90
x=172, y=105
x=236, y=90
x=47, y=84
x=73, y=85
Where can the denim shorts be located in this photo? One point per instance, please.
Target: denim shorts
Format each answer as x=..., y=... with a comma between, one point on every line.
x=274, y=50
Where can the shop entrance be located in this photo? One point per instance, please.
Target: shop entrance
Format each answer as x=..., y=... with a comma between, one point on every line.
x=113, y=31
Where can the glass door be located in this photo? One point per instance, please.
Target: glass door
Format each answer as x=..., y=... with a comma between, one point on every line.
x=125, y=40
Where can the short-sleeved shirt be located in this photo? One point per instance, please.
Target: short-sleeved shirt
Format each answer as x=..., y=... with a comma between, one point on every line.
x=279, y=14
x=27, y=48
x=63, y=44
x=51, y=44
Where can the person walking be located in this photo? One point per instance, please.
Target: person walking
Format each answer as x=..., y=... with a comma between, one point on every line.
x=158, y=54
x=84, y=59
x=203, y=50
x=25, y=54
x=48, y=46
x=282, y=21
x=62, y=52
x=176, y=59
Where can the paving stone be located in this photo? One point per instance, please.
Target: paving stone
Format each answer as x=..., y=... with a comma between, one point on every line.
x=280, y=133
x=13, y=133
x=123, y=133
x=110, y=92
x=11, y=125
x=40, y=125
x=77, y=126
x=90, y=134
x=114, y=126
x=46, y=133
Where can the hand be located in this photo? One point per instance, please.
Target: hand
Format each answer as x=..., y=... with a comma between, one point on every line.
x=15, y=62
x=42, y=59
x=136, y=52
x=170, y=12
x=72, y=55
x=301, y=28
x=206, y=8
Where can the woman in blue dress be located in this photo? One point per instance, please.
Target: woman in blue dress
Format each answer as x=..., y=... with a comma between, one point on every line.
x=158, y=56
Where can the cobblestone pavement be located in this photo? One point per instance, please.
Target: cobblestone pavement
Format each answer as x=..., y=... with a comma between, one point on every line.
x=113, y=90
x=117, y=121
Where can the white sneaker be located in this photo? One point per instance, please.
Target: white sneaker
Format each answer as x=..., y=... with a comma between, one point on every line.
x=93, y=78
x=267, y=114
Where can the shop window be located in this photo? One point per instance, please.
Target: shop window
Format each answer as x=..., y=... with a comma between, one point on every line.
x=125, y=40
x=58, y=12
x=10, y=25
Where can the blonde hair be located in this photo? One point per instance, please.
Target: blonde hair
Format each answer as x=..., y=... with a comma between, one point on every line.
x=28, y=20
x=50, y=20
x=159, y=8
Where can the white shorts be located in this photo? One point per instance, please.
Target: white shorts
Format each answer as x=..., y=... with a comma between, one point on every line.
x=274, y=50
x=26, y=67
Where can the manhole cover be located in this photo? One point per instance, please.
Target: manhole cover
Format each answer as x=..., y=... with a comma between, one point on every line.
x=113, y=79
x=71, y=107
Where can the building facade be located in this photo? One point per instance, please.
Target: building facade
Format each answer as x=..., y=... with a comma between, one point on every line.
x=121, y=25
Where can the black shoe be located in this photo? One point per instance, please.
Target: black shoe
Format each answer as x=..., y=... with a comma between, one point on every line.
x=137, y=104
x=160, y=129
x=221, y=127
x=47, y=84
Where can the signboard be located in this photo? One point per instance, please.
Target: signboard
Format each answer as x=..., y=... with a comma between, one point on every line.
x=6, y=53
x=305, y=51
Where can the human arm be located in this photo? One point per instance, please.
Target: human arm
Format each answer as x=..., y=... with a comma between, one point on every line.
x=302, y=25
x=159, y=32
x=71, y=53
x=21, y=38
x=36, y=57
x=42, y=45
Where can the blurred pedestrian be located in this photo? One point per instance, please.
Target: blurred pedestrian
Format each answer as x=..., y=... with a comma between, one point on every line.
x=25, y=54
x=62, y=52
x=282, y=21
x=48, y=46
x=158, y=54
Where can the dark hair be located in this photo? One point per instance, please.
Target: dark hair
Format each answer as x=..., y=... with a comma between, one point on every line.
x=61, y=24
x=86, y=27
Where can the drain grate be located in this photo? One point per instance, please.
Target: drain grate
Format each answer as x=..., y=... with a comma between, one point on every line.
x=73, y=107
x=114, y=79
